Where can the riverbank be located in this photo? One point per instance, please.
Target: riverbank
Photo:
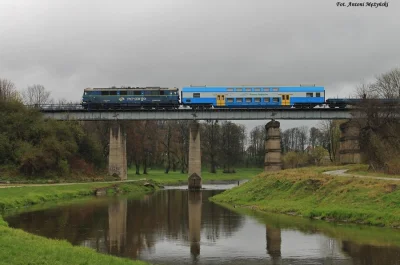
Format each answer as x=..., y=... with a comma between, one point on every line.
x=309, y=193
x=19, y=247
x=177, y=178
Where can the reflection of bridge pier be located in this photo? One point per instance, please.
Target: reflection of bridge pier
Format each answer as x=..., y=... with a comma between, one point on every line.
x=274, y=243
x=194, y=205
x=117, y=214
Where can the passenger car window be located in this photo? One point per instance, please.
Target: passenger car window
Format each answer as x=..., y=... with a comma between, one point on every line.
x=309, y=95
x=197, y=95
x=318, y=95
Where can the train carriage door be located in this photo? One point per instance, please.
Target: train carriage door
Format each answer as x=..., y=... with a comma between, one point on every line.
x=285, y=100
x=220, y=100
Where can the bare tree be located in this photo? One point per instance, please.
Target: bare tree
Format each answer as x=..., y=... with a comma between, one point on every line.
x=8, y=90
x=379, y=123
x=36, y=95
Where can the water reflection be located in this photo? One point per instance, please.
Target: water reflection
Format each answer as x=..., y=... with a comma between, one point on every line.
x=181, y=227
x=369, y=255
x=117, y=212
x=194, y=208
x=274, y=243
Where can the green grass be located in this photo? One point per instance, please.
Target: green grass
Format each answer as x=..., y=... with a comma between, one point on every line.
x=309, y=193
x=176, y=177
x=17, y=197
x=19, y=247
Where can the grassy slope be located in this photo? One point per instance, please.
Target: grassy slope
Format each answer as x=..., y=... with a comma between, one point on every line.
x=19, y=247
x=309, y=193
x=177, y=177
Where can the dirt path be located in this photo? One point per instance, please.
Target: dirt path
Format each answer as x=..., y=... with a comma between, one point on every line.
x=342, y=173
x=63, y=184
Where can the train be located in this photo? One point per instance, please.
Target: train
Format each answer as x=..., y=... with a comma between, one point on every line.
x=207, y=97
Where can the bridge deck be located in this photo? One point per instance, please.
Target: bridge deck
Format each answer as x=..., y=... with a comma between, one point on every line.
x=189, y=114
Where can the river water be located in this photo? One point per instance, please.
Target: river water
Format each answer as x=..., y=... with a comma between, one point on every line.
x=174, y=226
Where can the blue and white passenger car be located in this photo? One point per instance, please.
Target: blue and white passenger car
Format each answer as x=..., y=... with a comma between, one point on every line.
x=253, y=96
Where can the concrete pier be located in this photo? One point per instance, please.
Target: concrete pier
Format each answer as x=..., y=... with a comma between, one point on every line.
x=117, y=165
x=273, y=161
x=194, y=168
x=194, y=207
x=349, y=152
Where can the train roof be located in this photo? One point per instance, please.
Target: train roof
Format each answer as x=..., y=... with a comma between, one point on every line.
x=270, y=85
x=129, y=88
x=281, y=88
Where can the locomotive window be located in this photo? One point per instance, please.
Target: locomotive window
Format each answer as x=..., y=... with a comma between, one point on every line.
x=275, y=99
x=309, y=95
x=137, y=93
x=318, y=94
x=105, y=93
x=113, y=93
x=230, y=89
x=230, y=100
x=266, y=99
x=257, y=89
x=257, y=100
x=248, y=88
x=197, y=95
x=275, y=89
x=248, y=99
x=239, y=100
x=123, y=93
x=266, y=89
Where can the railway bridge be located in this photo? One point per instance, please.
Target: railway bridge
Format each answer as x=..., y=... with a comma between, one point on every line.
x=349, y=153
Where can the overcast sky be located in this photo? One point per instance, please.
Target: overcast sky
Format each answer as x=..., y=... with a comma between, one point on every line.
x=68, y=45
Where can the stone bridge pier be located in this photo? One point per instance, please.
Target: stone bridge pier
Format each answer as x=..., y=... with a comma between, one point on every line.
x=194, y=170
x=117, y=164
x=349, y=152
x=273, y=161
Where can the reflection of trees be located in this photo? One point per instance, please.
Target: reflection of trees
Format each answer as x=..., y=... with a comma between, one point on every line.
x=220, y=221
x=163, y=215
x=371, y=255
x=75, y=223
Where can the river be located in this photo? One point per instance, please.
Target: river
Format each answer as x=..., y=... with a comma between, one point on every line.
x=174, y=226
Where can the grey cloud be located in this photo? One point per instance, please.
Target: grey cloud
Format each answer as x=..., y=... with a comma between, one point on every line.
x=70, y=45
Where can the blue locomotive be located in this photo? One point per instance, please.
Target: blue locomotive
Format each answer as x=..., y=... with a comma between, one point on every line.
x=130, y=98
x=253, y=96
